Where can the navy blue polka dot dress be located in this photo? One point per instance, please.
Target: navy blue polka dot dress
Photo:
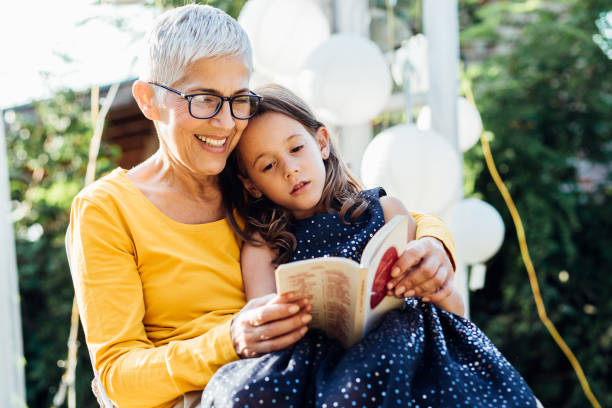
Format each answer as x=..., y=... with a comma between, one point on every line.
x=421, y=356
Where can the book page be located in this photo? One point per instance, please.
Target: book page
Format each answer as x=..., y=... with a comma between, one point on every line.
x=387, y=245
x=332, y=285
x=399, y=222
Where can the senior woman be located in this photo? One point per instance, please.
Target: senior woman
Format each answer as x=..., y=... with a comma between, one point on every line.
x=156, y=267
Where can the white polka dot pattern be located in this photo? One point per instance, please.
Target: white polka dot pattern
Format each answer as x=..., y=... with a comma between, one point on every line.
x=419, y=357
x=327, y=235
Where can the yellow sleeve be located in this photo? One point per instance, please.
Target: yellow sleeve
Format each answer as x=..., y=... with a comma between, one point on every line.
x=432, y=226
x=109, y=293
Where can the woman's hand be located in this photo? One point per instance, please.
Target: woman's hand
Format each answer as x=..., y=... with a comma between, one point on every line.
x=270, y=323
x=424, y=270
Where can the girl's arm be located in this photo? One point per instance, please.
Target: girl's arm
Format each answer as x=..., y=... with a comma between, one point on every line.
x=257, y=270
x=391, y=207
x=273, y=331
x=452, y=302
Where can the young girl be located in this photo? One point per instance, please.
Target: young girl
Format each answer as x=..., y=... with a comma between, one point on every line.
x=295, y=178
x=301, y=202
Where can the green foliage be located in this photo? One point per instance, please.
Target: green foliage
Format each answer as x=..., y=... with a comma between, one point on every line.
x=548, y=102
x=47, y=150
x=231, y=7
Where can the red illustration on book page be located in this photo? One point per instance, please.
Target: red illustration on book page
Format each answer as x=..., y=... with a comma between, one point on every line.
x=382, y=277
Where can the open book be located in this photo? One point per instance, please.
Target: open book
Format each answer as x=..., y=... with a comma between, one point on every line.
x=348, y=298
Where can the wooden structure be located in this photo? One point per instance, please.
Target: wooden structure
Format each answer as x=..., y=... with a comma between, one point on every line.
x=127, y=128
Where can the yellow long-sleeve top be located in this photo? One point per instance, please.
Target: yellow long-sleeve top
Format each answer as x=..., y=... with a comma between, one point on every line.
x=156, y=296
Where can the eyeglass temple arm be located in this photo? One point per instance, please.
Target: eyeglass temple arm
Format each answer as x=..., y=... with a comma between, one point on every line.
x=169, y=89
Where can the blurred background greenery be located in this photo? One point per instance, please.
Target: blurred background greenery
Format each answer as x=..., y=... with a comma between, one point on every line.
x=542, y=78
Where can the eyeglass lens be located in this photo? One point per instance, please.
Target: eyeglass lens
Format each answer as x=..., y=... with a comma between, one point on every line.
x=242, y=106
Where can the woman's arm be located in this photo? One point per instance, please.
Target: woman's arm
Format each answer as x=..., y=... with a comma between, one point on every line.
x=257, y=270
x=109, y=292
x=134, y=371
x=426, y=268
x=453, y=303
x=270, y=323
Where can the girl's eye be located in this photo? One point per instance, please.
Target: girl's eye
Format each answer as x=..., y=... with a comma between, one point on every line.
x=297, y=148
x=267, y=167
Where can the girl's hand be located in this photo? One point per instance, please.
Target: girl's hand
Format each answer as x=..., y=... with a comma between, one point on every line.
x=424, y=270
x=270, y=323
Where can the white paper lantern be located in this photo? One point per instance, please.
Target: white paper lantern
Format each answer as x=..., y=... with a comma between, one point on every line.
x=411, y=57
x=477, y=276
x=470, y=123
x=259, y=79
x=346, y=80
x=418, y=167
x=283, y=33
x=478, y=230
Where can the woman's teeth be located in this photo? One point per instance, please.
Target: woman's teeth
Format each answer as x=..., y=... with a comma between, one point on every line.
x=211, y=142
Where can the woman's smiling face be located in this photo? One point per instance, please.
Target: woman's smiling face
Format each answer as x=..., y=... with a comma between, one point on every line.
x=202, y=146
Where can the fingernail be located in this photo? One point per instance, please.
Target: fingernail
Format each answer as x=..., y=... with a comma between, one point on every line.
x=400, y=290
x=410, y=293
x=306, y=318
x=303, y=330
x=395, y=271
x=390, y=285
x=425, y=299
x=294, y=308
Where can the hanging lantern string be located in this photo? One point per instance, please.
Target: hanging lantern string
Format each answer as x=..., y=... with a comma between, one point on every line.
x=97, y=118
x=533, y=281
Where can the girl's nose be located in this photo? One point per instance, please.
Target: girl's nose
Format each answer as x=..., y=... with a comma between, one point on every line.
x=291, y=168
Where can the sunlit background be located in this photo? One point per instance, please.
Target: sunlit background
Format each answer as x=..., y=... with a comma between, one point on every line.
x=67, y=44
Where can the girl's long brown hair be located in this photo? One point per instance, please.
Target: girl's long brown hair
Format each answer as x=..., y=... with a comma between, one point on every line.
x=269, y=220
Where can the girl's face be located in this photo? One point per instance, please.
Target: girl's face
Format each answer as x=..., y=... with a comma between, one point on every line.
x=284, y=162
x=202, y=146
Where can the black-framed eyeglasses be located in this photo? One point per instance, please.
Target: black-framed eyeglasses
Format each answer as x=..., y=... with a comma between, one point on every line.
x=206, y=105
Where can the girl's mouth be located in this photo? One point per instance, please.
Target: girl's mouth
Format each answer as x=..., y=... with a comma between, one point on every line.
x=212, y=142
x=299, y=187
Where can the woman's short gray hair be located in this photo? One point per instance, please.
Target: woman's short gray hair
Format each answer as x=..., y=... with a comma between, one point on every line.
x=185, y=34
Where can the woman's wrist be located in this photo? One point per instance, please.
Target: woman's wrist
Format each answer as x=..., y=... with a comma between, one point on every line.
x=440, y=243
x=452, y=303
